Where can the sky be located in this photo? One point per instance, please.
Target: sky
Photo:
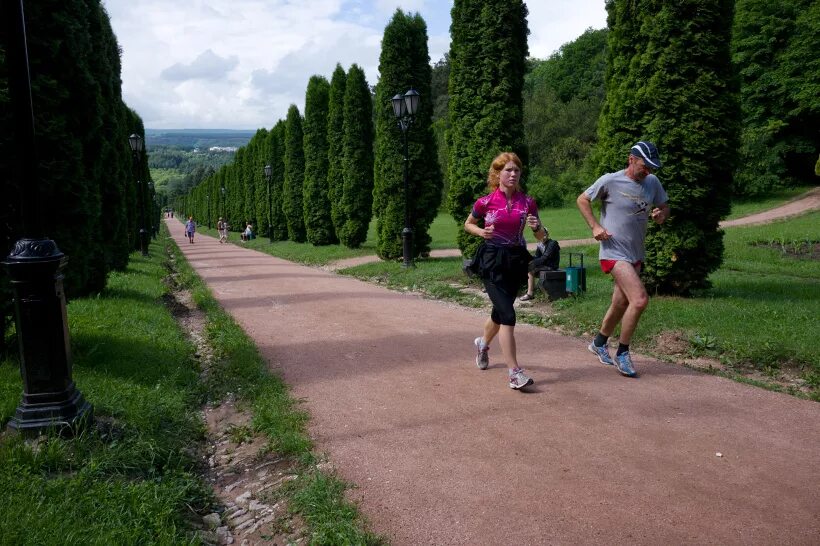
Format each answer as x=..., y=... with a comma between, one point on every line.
x=239, y=64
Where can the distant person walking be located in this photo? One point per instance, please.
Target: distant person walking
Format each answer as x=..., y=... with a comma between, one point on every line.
x=190, y=229
x=627, y=198
x=222, y=228
x=502, y=259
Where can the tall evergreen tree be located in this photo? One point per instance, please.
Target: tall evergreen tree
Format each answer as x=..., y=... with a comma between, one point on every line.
x=488, y=52
x=775, y=47
x=335, y=138
x=357, y=152
x=277, y=163
x=403, y=64
x=294, y=176
x=670, y=81
x=316, y=205
x=260, y=198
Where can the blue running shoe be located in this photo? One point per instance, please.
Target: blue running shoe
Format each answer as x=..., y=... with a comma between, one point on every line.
x=625, y=365
x=602, y=353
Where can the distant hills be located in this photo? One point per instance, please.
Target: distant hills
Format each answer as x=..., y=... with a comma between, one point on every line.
x=197, y=138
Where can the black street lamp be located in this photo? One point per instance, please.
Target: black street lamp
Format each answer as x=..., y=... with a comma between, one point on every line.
x=405, y=108
x=224, y=209
x=152, y=217
x=208, y=207
x=50, y=399
x=268, y=172
x=135, y=142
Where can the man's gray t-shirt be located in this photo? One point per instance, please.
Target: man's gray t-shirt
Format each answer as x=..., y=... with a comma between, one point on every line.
x=625, y=209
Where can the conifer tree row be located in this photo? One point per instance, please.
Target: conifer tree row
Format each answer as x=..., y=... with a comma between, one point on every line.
x=82, y=127
x=84, y=172
x=404, y=63
x=488, y=52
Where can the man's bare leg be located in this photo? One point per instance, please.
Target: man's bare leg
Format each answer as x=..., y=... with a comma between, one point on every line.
x=628, y=288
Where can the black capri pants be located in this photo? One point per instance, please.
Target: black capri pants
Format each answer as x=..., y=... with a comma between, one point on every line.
x=503, y=294
x=503, y=271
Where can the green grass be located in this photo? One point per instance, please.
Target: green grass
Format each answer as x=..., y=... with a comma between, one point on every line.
x=134, y=477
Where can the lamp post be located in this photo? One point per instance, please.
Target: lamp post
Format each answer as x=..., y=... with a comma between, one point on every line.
x=50, y=399
x=135, y=142
x=224, y=209
x=268, y=172
x=152, y=217
x=405, y=108
x=208, y=208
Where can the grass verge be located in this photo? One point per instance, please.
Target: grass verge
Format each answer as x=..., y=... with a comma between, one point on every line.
x=135, y=477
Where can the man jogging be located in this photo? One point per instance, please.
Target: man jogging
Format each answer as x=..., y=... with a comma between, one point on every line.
x=628, y=198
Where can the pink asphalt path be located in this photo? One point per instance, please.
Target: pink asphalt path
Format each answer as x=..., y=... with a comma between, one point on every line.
x=443, y=453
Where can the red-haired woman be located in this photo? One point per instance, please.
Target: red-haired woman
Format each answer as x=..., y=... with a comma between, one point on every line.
x=501, y=260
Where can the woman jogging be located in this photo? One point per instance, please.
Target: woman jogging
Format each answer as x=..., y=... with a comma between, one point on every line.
x=501, y=260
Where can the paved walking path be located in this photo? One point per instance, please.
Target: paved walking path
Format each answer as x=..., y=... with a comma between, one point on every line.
x=442, y=453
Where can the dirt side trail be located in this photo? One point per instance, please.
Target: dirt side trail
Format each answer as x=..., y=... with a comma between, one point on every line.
x=803, y=203
x=442, y=453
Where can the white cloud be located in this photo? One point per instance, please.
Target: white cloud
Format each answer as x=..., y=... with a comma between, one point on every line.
x=241, y=63
x=554, y=23
x=207, y=66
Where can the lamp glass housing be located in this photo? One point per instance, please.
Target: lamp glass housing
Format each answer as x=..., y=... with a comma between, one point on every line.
x=268, y=170
x=135, y=141
x=399, y=106
x=411, y=101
